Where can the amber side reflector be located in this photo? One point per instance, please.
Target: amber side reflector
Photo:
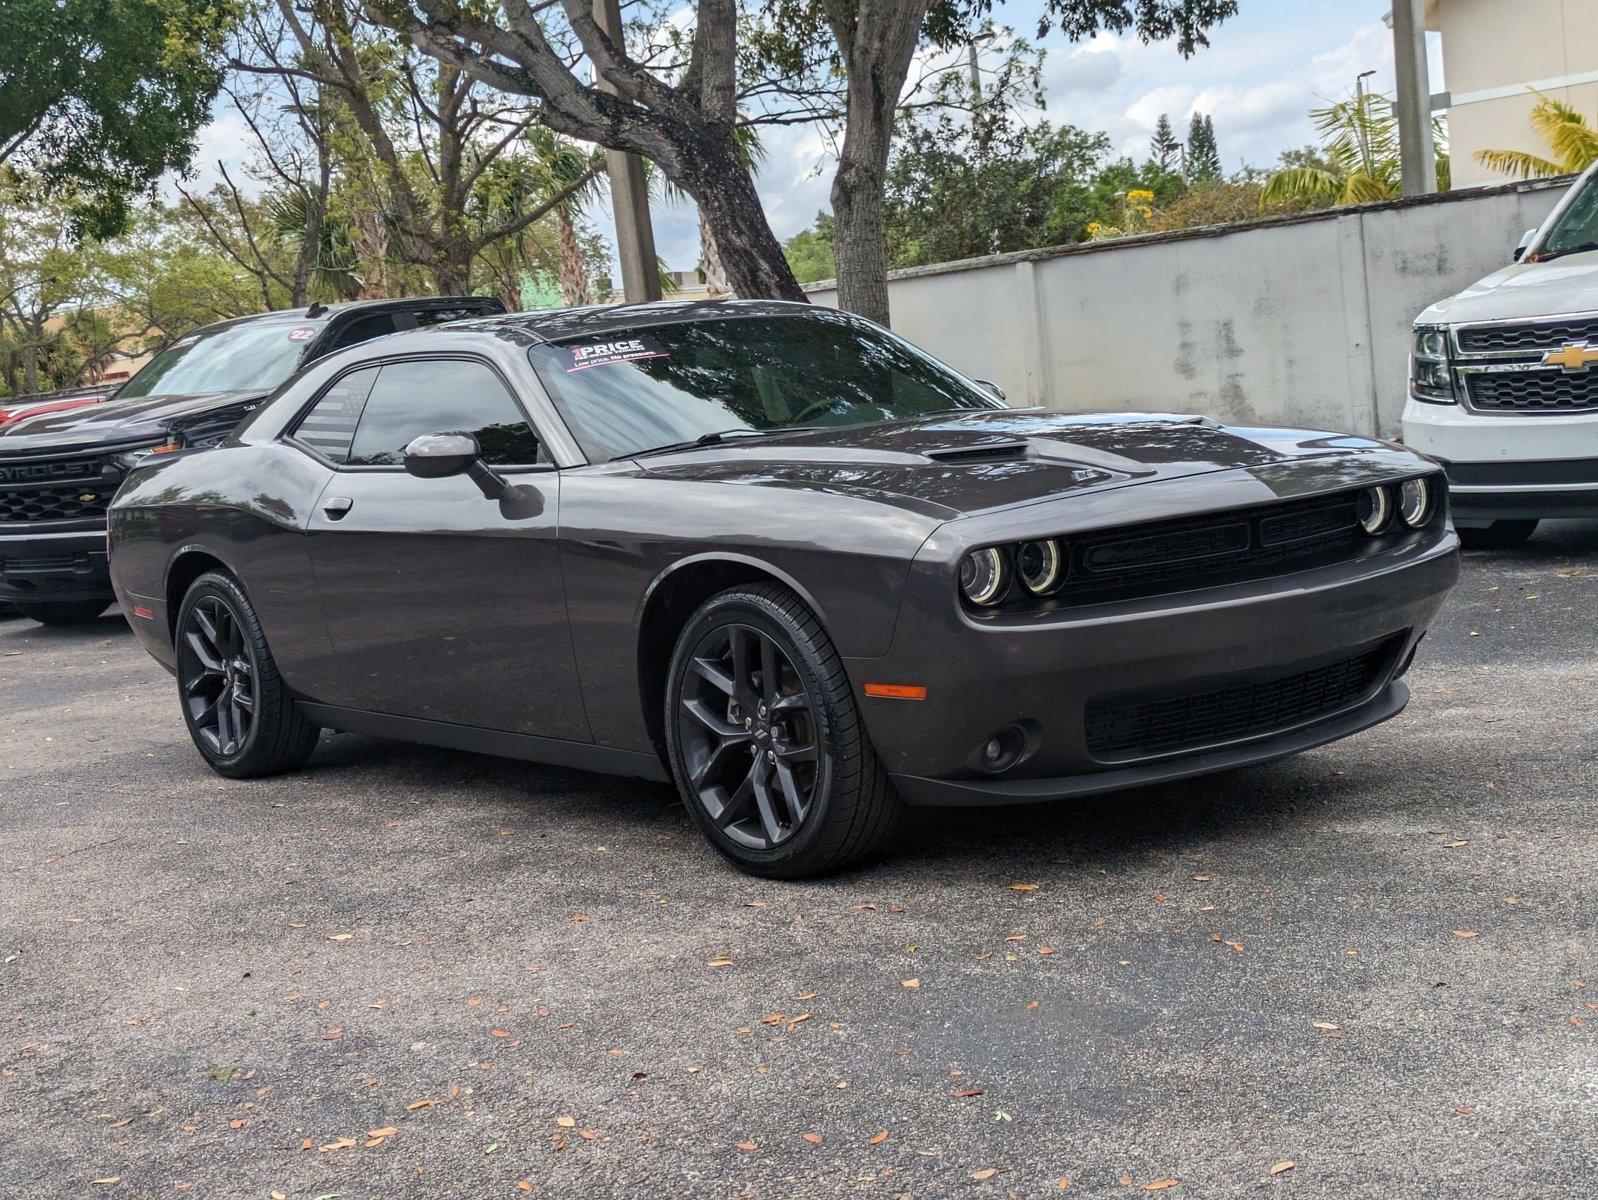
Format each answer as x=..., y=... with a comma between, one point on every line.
x=166, y=448
x=896, y=691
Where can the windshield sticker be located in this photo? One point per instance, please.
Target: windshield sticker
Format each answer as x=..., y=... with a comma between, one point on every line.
x=302, y=335
x=600, y=354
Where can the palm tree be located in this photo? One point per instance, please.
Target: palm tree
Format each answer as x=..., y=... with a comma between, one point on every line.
x=1360, y=141
x=564, y=164
x=1572, y=140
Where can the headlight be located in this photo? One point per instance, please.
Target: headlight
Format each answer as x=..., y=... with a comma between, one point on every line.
x=128, y=459
x=1040, y=566
x=1431, y=377
x=983, y=576
x=1415, y=502
x=1375, y=507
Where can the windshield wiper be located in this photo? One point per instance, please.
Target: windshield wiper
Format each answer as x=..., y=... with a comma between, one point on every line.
x=1549, y=256
x=720, y=437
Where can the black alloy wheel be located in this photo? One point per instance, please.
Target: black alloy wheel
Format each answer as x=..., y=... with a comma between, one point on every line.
x=242, y=716
x=749, y=737
x=217, y=677
x=767, y=742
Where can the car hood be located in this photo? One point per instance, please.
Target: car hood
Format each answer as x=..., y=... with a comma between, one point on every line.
x=112, y=422
x=956, y=465
x=1524, y=290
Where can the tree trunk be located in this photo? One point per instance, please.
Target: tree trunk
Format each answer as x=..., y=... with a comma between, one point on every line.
x=860, y=240
x=710, y=261
x=574, y=290
x=371, y=254
x=729, y=206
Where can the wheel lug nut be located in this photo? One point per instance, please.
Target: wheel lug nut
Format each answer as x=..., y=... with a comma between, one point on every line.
x=771, y=756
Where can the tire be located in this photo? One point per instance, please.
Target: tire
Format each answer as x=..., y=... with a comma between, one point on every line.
x=63, y=612
x=1499, y=535
x=740, y=773
x=221, y=653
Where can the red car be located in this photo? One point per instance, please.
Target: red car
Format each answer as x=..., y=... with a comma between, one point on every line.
x=20, y=408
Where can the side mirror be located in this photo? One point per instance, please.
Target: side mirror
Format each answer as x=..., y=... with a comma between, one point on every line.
x=993, y=387
x=1525, y=243
x=439, y=455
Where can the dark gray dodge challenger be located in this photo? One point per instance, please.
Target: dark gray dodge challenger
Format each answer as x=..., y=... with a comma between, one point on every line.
x=777, y=555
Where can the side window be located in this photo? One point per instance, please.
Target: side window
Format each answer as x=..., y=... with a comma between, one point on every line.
x=329, y=426
x=441, y=396
x=363, y=329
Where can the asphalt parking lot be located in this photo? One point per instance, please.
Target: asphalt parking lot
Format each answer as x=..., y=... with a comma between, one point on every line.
x=407, y=972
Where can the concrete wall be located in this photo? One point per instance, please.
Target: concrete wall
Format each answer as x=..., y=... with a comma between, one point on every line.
x=1296, y=321
x=1494, y=52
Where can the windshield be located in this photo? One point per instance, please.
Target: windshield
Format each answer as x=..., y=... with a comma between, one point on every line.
x=259, y=355
x=628, y=392
x=1577, y=227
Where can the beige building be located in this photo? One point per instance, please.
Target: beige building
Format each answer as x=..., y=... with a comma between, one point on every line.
x=1495, y=54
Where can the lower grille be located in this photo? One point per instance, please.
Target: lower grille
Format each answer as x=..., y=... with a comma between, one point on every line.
x=1534, y=391
x=1118, y=729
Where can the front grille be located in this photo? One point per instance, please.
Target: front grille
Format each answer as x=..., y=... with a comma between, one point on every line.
x=1489, y=339
x=56, y=489
x=53, y=503
x=1170, y=556
x=1121, y=729
x=1533, y=391
x=41, y=562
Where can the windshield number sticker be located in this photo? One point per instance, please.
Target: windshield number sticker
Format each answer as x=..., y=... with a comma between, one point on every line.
x=301, y=335
x=600, y=354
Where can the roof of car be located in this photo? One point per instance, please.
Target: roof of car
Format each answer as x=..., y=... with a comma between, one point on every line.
x=321, y=313
x=599, y=319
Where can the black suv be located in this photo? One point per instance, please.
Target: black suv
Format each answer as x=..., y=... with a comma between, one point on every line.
x=58, y=471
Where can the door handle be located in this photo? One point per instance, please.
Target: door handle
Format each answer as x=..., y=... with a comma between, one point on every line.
x=336, y=506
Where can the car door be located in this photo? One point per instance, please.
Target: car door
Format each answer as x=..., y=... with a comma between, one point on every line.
x=440, y=604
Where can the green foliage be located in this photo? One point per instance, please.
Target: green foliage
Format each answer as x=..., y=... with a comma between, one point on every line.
x=1164, y=148
x=1358, y=161
x=1203, y=156
x=809, y=252
x=1571, y=140
x=99, y=97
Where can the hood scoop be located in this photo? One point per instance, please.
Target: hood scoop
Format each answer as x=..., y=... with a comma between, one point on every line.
x=987, y=452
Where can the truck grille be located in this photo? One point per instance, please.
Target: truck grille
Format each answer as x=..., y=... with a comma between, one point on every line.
x=1119, y=729
x=1533, y=391
x=64, y=489
x=1497, y=339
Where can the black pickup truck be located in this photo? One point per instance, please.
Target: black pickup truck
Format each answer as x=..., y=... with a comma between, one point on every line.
x=58, y=471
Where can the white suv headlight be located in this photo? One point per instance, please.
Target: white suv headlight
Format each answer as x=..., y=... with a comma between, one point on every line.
x=1431, y=378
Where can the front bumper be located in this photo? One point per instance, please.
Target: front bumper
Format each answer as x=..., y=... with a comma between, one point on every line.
x=43, y=565
x=1048, y=676
x=1510, y=467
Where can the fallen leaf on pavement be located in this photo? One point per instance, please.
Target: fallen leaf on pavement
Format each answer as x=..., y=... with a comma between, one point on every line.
x=1466, y=933
x=1287, y=1165
x=910, y=983
x=1023, y=887
x=813, y=1138
x=985, y=1173
x=1159, y=1185
x=108, y=1180
x=340, y=937
x=721, y=960
x=343, y=1143
x=747, y=1146
x=566, y=1122
x=877, y=1139
x=416, y=1104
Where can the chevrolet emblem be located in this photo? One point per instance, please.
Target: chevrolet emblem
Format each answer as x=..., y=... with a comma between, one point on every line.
x=1577, y=356
x=87, y=498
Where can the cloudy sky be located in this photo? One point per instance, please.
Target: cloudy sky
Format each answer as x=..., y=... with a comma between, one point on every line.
x=1261, y=74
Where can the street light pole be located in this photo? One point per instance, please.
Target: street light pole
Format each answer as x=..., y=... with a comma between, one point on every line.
x=1417, y=157
x=629, y=193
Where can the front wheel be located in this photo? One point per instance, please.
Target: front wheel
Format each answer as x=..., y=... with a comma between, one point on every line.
x=1499, y=535
x=767, y=743
x=63, y=612
x=239, y=712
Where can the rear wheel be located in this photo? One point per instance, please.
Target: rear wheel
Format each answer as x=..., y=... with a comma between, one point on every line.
x=1499, y=535
x=238, y=710
x=767, y=743
x=63, y=612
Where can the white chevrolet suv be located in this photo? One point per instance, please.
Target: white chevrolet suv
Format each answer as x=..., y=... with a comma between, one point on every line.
x=1503, y=382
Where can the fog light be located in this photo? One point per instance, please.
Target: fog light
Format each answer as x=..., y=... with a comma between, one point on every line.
x=1003, y=749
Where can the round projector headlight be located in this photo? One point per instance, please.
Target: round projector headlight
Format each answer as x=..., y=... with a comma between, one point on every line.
x=1375, y=507
x=1040, y=565
x=1415, y=502
x=983, y=576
